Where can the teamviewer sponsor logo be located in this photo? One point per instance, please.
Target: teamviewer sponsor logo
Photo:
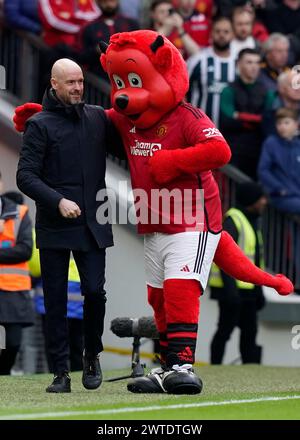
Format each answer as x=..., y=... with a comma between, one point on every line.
x=2, y=78
x=2, y=337
x=210, y=132
x=146, y=149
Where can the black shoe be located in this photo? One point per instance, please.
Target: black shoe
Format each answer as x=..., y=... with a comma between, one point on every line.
x=61, y=384
x=181, y=379
x=91, y=374
x=151, y=383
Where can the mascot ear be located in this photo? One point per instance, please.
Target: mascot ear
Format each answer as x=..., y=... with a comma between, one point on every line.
x=164, y=58
x=103, y=48
x=103, y=61
x=163, y=54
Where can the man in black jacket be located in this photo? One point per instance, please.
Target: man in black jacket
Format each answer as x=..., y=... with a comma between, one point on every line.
x=62, y=168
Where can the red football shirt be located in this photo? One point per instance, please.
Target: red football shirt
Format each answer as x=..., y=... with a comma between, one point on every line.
x=182, y=128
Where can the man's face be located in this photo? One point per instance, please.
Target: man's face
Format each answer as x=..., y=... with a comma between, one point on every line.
x=108, y=7
x=249, y=67
x=69, y=86
x=161, y=12
x=222, y=34
x=242, y=25
x=277, y=57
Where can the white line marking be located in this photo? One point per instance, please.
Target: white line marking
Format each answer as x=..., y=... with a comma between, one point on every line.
x=142, y=409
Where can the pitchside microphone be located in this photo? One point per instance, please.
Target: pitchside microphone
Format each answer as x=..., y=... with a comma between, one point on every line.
x=143, y=327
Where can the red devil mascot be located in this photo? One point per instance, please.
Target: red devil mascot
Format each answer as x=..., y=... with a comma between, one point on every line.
x=172, y=146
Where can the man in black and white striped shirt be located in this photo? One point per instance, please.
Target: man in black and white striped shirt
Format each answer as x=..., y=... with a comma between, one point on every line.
x=212, y=69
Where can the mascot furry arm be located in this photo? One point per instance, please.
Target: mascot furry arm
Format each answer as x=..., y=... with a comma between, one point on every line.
x=167, y=165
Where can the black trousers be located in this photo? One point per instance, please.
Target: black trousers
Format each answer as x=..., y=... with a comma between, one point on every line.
x=13, y=340
x=241, y=314
x=75, y=329
x=54, y=270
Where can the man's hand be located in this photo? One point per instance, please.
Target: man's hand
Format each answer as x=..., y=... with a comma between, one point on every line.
x=24, y=112
x=1, y=226
x=69, y=209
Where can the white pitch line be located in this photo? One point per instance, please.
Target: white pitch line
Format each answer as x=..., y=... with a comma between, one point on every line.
x=142, y=408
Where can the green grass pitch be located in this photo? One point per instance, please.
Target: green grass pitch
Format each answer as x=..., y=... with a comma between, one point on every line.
x=229, y=393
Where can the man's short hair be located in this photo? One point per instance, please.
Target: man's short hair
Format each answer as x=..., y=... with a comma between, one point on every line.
x=219, y=18
x=248, y=51
x=284, y=112
x=156, y=3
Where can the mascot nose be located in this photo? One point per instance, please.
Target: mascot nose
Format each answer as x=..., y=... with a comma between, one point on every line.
x=122, y=101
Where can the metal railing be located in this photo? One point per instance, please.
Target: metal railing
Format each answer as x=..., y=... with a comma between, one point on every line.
x=20, y=54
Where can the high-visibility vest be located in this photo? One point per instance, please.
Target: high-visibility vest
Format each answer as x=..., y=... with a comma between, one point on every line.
x=14, y=277
x=75, y=299
x=246, y=241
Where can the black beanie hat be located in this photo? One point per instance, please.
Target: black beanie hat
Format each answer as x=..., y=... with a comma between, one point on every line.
x=248, y=193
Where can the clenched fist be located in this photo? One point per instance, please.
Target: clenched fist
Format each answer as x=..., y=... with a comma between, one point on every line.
x=69, y=209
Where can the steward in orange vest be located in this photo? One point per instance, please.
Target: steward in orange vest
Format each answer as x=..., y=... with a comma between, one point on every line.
x=15, y=303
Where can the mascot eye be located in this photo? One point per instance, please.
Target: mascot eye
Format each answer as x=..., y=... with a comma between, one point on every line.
x=119, y=82
x=135, y=80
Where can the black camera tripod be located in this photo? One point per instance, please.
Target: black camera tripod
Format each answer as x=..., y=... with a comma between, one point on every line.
x=136, y=366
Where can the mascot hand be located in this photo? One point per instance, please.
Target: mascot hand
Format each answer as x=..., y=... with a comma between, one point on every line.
x=162, y=166
x=24, y=112
x=284, y=286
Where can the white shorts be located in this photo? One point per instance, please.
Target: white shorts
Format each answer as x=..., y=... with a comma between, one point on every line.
x=186, y=255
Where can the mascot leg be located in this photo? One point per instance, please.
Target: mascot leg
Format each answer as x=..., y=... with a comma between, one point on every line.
x=156, y=301
x=182, y=305
x=176, y=311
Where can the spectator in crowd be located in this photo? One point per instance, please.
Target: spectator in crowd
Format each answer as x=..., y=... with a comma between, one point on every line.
x=63, y=176
x=242, y=24
x=63, y=20
x=195, y=24
x=238, y=301
x=279, y=165
x=242, y=106
x=168, y=22
x=288, y=95
x=74, y=309
x=275, y=52
x=22, y=14
x=212, y=69
x=259, y=31
x=284, y=18
x=15, y=250
x=109, y=22
x=203, y=6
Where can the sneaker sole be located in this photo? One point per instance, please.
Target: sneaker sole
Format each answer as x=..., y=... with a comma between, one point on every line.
x=58, y=392
x=141, y=388
x=93, y=387
x=187, y=388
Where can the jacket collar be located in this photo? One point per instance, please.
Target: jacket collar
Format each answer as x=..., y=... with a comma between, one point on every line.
x=52, y=103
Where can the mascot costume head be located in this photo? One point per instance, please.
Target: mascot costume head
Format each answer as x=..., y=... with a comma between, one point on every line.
x=148, y=77
x=149, y=82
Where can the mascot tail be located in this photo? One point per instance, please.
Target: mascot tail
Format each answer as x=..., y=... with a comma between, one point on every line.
x=230, y=258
